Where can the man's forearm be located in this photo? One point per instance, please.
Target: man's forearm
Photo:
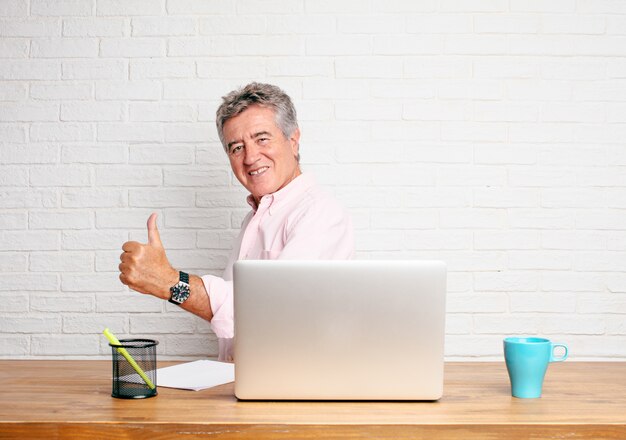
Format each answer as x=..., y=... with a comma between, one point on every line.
x=198, y=302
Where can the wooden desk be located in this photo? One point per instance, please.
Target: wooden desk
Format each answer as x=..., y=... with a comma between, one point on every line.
x=71, y=399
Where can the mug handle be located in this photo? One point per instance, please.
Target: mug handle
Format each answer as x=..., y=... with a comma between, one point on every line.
x=560, y=358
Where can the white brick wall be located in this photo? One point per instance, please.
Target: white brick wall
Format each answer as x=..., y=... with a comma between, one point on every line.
x=487, y=133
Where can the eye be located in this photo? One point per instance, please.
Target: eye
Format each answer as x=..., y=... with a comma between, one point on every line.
x=236, y=150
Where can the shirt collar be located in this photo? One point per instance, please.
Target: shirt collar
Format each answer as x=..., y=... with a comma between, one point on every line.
x=281, y=197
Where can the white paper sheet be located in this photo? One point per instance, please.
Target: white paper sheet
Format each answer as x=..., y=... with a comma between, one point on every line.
x=196, y=375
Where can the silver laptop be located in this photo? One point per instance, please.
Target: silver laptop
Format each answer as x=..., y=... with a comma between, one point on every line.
x=339, y=330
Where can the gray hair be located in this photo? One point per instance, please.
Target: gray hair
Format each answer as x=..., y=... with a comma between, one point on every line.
x=264, y=95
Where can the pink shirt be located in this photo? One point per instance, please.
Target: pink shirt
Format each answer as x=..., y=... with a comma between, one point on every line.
x=300, y=221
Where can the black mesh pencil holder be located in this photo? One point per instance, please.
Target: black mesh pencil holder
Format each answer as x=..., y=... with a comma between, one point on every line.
x=134, y=368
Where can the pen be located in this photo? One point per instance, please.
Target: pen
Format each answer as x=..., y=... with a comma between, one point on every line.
x=114, y=341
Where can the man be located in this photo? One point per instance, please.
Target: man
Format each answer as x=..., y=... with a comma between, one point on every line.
x=291, y=217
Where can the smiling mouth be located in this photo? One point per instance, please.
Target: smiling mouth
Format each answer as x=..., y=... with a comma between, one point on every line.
x=259, y=171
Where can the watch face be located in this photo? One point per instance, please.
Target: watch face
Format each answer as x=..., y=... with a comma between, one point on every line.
x=180, y=292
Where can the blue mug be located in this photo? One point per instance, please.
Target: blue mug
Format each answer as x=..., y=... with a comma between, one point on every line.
x=527, y=360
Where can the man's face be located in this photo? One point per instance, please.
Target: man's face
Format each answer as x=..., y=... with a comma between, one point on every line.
x=261, y=157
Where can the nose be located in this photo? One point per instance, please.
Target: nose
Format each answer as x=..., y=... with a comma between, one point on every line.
x=251, y=151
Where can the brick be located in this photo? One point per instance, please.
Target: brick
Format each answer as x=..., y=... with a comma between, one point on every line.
x=20, y=112
x=505, y=240
x=481, y=89
x=142, y=132
x=28, y=241
x=199, y=7
x=437, y=111
x=413, y=131
x=65, y=345
x=94, y=27
x=475, y=45
x=517, y=154
x=566, y=198
x=29, y=281
x=14, y=303
x=162, y=198
x=607, y=303
x=601, y=219
x=93, y=240
x=599, y=261
x=507, y=325
x=31, y=325
x=542, y=302
x=539, y=260
x=224, y=67
x=540, y=218
x=276, y=45
x=509, y=281
x=477, y=303
x=124, y=219
x=368, y=67
x=177, y=239
x=14, y=8
x=11, y=91
x=201, y=46
x=616, y=282
x=61, y=262
x=364, y=24
x=616, y=241
x=219, y=199
x=162, y=26
x=60, y=176
x=614, y=25
x=128, y=176
x=149, y=112
x=15, y=345
x=471, y=176
x=615, y=325
x=14, y=48
x=198, y=218
x=95, y=69
x=64, y=48
x=17, y=27
x=338, y=45
x=61, y=91
x=233, y=25
x=28, y=199
x=93, y=282
x=574, y=240
x=132, y=47
x=159, y=154
x=13, y=176
x=128, y=90
x=129, y=302
x=129, y=7
x=434, y=197
x=157, y=69
x=158, y=324
x=93, y=198
x=290, y=66
x=192, y=132
x=571, y=281
x=196, y=177
x=30, y=154
x=30, y=70
x=102, y=153
x=299, y=24
x=396, y=219
x=13, y=220
x=13, y=261
x=92, y=111
x=540, y=6
x=458, y=324
x=504, y=67
x=59, y=220
x=505, y=197
x=378, y=241
x=499, y=111
x=541, y=177
x=573, y=112
x=476, y=218
x=108, y=261
x=507, y=23
x=94, y=323
x=270, y=7
x=366, y=111
x=61, y=8
x=192, y=89
x=437, y=240
x=64, y=131
x=391, y=45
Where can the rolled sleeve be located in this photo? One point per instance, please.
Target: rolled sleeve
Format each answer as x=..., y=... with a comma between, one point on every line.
x=220, y=294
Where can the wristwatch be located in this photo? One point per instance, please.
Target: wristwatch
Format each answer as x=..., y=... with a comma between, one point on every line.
x=180, y=291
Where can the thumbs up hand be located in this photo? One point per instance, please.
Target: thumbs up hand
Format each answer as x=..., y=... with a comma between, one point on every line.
x=145, y=267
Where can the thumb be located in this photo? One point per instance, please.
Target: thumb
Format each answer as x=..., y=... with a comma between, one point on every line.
x=154, y=239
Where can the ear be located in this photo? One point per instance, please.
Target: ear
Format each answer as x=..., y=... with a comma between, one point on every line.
x=295, y=142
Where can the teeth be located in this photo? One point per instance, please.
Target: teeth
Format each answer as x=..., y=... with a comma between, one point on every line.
x=259, y=171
